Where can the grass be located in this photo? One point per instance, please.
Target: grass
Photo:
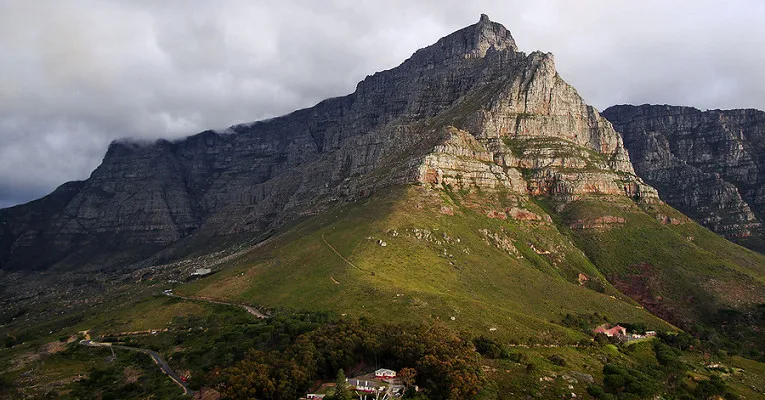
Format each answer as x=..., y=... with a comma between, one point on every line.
x=155, y=312
x=693, y=272
x=469, y=284
x=512, y=281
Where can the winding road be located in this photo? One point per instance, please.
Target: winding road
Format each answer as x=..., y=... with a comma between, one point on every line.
x=154, y=356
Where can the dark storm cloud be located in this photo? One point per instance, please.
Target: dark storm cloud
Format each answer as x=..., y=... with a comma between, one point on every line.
x=75, y=75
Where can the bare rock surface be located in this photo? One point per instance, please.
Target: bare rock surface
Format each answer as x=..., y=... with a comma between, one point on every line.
x=710, y=165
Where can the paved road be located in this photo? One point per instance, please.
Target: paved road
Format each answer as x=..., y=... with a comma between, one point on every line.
x=154, y=356
x=249, y=309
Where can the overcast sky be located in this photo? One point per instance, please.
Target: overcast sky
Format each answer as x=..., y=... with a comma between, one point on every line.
x=74, y=75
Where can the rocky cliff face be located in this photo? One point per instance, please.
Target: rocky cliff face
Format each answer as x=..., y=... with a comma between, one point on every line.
x=470, y=110
x=710, y=165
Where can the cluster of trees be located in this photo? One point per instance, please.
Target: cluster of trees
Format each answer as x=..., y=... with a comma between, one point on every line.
x=439, y=361
x=201, y=344
x=735, y=332
x=284, y=356
x=490, y=349
x=645, y=381
x=583, y=322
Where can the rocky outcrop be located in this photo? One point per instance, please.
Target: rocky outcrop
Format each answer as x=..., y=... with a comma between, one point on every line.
x=470, y=110
x=708, y=164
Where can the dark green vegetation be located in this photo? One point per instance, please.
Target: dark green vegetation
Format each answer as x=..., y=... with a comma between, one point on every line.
x=287, y=356
x=71, y=371
x=446, y=365
x=130, y=376
x=231, y=352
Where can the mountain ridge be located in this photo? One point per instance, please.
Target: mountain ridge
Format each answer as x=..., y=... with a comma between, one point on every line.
x=151, y=196
x=708, y=164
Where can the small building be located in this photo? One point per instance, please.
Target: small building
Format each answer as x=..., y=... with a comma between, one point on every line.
x=617, y=330
x=650, y=333
x=314, y=396
x=364, y=386
x=383, y=373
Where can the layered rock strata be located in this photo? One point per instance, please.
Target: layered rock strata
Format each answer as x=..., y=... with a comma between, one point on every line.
x=708, y=164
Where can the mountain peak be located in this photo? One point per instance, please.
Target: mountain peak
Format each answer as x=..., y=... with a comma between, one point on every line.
x=473, y=41
x=488, y=34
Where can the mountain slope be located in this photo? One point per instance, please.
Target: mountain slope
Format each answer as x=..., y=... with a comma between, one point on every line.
x=419, y=254
x=709, y=165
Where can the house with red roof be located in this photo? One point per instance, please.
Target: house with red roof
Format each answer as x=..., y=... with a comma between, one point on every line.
x=617, y=330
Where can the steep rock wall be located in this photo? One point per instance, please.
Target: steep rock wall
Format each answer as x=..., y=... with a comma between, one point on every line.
x=708, y=164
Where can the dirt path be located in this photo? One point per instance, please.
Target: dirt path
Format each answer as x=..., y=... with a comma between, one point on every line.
x=341, y=256
x=249, y=309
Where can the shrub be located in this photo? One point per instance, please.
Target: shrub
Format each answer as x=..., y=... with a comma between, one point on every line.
x=489, y=348
x=557, y=360
x=595, y=391
x=520, y=358
x=531, y=368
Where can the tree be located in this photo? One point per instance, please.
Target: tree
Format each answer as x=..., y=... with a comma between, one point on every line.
x=342, y=392
x=407, y=376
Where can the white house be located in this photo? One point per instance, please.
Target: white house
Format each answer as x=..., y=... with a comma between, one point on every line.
x=363, y=385
x=383, y=373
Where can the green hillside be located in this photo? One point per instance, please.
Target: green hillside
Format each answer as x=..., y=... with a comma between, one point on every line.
x=678, y=269
x=441, y=259
x=458, y=262
x=449, y=256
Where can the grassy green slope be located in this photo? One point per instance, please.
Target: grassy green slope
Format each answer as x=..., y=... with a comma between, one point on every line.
x=675, y=267
x=517, y=277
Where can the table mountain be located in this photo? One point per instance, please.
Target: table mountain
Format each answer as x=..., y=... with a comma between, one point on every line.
x=470, y=184
x=446, y=115
x=708, y=164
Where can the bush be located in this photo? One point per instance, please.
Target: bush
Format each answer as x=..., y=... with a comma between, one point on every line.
x=557, y=360
x=712, y=387
x=489, y=348
x=531, y=368
x=595, y=391
x=601, y=339
x=520, y=358
x=634, y=327
x=628, y=383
